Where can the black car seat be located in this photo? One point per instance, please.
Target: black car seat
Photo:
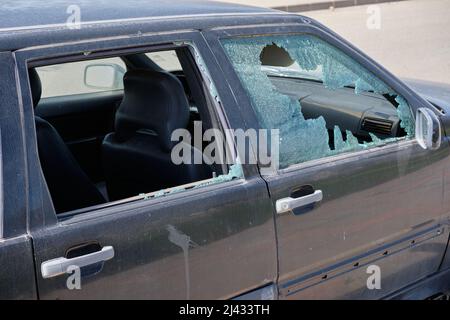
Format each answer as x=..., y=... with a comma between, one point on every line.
x=137, y=156
x=68, y=184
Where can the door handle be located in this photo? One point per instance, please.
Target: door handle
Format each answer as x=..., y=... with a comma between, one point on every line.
x=289, y=204
x=55, y=267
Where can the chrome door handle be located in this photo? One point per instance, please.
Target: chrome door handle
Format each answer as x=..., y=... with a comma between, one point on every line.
x=288, y=204
x=58, y=266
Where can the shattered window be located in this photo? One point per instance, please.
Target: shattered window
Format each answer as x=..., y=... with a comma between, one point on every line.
x=323, y=102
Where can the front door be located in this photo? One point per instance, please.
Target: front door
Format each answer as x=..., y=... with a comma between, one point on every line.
x=359, y=204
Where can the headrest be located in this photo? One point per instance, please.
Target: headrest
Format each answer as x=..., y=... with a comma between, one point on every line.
x=153, y=102
x=36, y=86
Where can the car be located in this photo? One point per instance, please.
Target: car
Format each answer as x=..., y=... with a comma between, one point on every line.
x=99, y=201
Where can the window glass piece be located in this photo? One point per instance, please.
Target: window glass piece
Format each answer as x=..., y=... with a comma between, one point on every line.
x=235, y=172
x=404, y=113
x=316, y=96
x=341, y=145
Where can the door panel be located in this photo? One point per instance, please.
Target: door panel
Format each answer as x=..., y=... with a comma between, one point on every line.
x=83, y=120
x=382, y=207
x=17, y=278
x=217, y=241
x=213, y=243
x=399, y=264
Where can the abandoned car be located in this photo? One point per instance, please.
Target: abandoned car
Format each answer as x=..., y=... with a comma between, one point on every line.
x=357, y=206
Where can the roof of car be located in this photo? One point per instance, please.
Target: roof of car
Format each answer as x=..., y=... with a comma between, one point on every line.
x=26, y=14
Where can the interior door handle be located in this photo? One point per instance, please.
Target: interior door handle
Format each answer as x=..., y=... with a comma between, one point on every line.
x=55, y=267
x=289, y=204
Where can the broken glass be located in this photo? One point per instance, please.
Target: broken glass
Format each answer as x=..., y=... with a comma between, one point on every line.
x=404, y=113
x=308, y=58
x=235, y=172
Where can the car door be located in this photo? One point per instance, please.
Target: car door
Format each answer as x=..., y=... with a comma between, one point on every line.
x=357, y=217
x=212, y=241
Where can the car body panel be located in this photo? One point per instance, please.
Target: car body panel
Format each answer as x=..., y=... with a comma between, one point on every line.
x=16, y=14
x=370, y=215
x=436, y=93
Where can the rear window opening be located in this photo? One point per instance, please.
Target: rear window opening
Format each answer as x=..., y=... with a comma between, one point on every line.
x=104, y=128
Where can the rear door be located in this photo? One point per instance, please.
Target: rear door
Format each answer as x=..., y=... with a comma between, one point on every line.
x=359, y=204
x=208, y=241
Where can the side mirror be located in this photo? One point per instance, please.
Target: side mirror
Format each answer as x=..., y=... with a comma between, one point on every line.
x=105, y=76
x=428, y=129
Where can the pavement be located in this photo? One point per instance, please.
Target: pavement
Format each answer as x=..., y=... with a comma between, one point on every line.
x=413, y=39
x=272, y=3
x=303, y=5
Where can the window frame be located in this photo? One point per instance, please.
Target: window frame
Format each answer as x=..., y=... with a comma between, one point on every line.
x=306, y=27
x=43, y=213
x=13, y=206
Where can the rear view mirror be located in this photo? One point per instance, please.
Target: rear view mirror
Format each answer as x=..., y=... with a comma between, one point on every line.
x=104, y=76
x=428, y=129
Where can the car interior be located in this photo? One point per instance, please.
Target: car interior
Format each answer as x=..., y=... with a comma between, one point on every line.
x=361, y=114
x=104, y=146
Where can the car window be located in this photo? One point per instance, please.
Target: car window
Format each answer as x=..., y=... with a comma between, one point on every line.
x=82, y=77
x=135, y=149
x=322, y=102
x=166, y=60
